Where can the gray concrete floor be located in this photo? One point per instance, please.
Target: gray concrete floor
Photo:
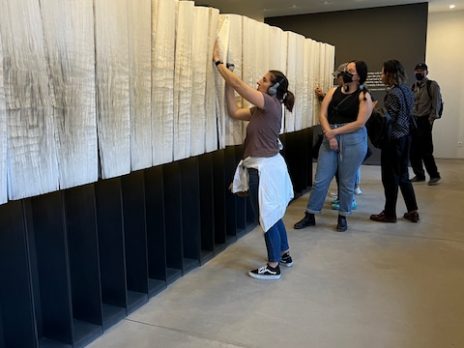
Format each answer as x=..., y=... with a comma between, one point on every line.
x=377, y=285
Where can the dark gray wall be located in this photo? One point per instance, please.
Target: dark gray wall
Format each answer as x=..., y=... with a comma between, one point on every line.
x=373, y=35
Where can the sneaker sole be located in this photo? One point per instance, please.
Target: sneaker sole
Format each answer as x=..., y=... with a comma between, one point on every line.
x=264, y=277
x=286, y=264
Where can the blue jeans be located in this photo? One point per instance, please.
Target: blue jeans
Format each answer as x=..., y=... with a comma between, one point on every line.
x=276, y=237
x=357, y=180
x=352, y=148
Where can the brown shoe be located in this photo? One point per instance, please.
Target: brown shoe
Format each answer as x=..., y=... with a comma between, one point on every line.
x=412, y=216
x=382, y=217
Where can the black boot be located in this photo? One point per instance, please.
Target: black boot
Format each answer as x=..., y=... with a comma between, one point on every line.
x=308, y=220
x=342, y=225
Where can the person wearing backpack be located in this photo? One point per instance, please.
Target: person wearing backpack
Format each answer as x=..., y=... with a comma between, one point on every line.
x=428, y=107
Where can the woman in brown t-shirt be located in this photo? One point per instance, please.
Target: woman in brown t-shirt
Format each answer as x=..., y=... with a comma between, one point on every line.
x=268, y=181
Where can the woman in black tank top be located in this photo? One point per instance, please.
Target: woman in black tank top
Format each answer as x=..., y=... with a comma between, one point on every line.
x=344, y=111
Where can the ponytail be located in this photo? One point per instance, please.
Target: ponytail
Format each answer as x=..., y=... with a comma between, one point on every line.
x=282, y=93
x=363, y=90
x=289, y=100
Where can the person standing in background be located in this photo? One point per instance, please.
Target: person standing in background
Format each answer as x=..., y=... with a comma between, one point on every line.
x=320, y=94
x=394, y=157
x=344, y=112
x=426, y=110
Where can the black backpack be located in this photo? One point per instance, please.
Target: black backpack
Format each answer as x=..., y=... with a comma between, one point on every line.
x=429, y=92
x=379, y=129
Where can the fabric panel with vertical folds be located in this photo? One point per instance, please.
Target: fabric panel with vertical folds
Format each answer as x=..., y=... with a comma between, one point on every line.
x=234, y=129
x=201, y=60
x=317, y=79
x=278, y=51
x=321, y=66
x=329, y=65
x=278, y=59
x=163, y=54
x=221, y=107
x=211, y=136
x=309, y=84
x=113, y=112
x=69, y=37
x=139, y=25
x=183, y=79
x=254, y=66
x=299, y=110
x=3, y=134
x=291, y=75
x=32, y=158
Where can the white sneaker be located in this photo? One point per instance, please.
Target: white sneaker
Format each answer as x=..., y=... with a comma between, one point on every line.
x=358, y=191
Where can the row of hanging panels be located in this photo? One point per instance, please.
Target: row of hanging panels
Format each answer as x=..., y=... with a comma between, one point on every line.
x=100, y=88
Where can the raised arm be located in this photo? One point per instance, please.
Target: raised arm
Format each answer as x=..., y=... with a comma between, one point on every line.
x=250, y=94
x=234, y=111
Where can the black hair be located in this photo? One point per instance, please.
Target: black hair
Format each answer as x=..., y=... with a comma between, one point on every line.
x=394, y=71
x=361, y=69
x=283, y=94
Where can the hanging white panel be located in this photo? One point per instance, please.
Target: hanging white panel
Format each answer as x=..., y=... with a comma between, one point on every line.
x=278, y=50
x=234, y=129
x=255, y=48
x=322, y=67
x=3, y=134
x=113, y=113
x=32, y=159
x=278, y=57
x=291, y=75
x=306, y=88
x=309, y=83
x=249, y=53
x=221, y=107
x=183, y=79
x=201, y=59
x=211, y=140
x=69, y=37
x=317, y=79
x=263, y=48
x=330, y=61
x=163, y=54
x=139, y=24
x=300, y=93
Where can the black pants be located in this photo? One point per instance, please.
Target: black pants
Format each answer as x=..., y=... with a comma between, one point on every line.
x=422, y=149
x=394, y=160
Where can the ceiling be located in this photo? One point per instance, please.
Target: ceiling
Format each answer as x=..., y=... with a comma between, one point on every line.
x=260, y=9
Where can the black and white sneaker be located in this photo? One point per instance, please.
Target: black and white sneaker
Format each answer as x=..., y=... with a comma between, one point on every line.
x=286, y=260
x=265, y=272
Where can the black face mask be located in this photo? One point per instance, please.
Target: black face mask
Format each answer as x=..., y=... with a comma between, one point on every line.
x=347, y=77
x=419, y=77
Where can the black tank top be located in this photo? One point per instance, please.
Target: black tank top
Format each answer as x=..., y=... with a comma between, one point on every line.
x=343, y=108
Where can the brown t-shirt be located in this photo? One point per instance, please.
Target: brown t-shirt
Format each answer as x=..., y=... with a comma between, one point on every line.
x=262, y=133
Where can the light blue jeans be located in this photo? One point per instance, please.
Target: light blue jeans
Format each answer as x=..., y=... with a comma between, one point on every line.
x=352, y=148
